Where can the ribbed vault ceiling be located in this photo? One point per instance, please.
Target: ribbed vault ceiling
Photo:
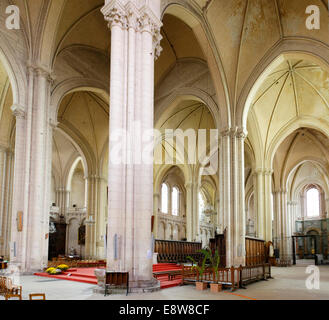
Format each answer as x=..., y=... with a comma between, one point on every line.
x=186, y=115
x=294, y=89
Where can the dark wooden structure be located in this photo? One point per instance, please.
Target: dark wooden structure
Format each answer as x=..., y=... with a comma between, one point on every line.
x=57, y=241
x=170, y=251
x=116, y=280
x=255, y=251
x=219, y=243
x=302, y=250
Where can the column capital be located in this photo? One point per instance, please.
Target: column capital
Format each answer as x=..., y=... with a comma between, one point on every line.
x=279, y=191
x=41, y=71
x=53, y=123
x=92, y=177
x=188, y=185
x=139, y=19
x=18, y=111
x=267, y=172
x=234, y=132
x=114, y=13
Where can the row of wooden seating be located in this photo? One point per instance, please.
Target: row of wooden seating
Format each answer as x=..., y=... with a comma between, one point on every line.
x=255, y=251
x=177, y=251
x=77, y=263
x=32, y=296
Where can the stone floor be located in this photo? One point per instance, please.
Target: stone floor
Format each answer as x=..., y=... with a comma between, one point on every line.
x=288, y=284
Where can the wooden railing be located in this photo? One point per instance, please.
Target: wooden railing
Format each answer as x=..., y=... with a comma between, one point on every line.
x=233, y=278
x=227, y=277
x=249, y=274
x=176, y=251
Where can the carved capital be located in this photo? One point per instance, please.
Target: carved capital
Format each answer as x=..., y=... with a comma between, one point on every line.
x=241, y=133
x=41, y=71
x=140, y=19
x=114, y=13
x=18, y=111
x=188, y=185
x=53, y=123
x=234, y=132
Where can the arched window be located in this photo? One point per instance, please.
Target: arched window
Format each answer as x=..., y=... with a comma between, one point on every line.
x=164, y=198
x=313, y=202
x=175, y=201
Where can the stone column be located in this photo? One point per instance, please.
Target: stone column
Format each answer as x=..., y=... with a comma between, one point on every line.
x=225, y=194
x=239, y=204
x=90, y=244
x=276, y=215
x=101, y=219
x=3, y=173
x=17, y=244
x=32, y=156
x=50, y=126
x=219, y=220
x=5, y=193
x=93, y=187
x=196, y=214
x=285, y=244
x=268, y=205
x=303, y=206
x=135, y=36
x=259, y=197
x=156, y=201
x=263, y=192
x=61, y=200
x=39, y=170
x=289, y=217
x=6, y=226
x=233, y=194
x=189, y=211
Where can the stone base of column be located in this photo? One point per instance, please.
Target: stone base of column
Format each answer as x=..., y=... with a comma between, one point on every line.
x=15, y=267
x=134, y=287
x=142, y=286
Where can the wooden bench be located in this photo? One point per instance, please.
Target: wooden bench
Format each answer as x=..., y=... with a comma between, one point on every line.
x=171, y=274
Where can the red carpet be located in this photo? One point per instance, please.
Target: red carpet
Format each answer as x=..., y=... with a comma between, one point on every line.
x=86, y=275
x=164, y=282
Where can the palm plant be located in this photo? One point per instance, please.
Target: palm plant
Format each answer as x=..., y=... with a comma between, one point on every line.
x=215, y=260
x=200, y=268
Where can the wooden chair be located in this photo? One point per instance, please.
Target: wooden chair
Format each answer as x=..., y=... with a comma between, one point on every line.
x=37, y=296
x=13, y=289
x=3, y=287
x=13, y=296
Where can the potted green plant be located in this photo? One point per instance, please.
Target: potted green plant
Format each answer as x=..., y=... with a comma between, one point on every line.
x=200, y=285
x=215, y=260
